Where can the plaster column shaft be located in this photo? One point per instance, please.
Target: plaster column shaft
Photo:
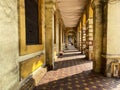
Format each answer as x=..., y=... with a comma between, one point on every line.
x=66, y=39
x=57, y=35
x=63, y=43
x=80, y=36
x=49, y=34
x=111, y=41
x=89, y=39
x=83, y=39
x=80, y=41
x=97, y=35
x=60, y=38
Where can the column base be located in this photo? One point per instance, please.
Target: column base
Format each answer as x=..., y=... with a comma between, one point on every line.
x=111, y=65
x=50, y=67
x=96, y=70
x=89, y=54
x=97, y=65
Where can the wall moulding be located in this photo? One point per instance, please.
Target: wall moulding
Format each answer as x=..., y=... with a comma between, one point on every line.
x=112, y=1
x=111, y=56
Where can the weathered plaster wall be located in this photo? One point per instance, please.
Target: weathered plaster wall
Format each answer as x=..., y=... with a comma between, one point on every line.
x=29, y=66
x=9, y=49
x=113, y=32
x=8, y=45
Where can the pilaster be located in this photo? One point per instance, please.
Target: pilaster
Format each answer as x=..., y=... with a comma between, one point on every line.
x=89, y=38
x=98, y=32
x=78, y=38
x=49, y=33
x=83, y=39
x=111, y=46
x=60, y=37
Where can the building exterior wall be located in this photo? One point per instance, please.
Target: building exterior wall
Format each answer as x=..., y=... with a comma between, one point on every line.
x=16, y=69
x=9, y=49
x=23, y=66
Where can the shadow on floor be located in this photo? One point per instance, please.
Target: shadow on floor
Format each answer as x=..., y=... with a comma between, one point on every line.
x=73, y=72
x=71, y=62
x=66, y=51
x=86, y=80
x=71, y=55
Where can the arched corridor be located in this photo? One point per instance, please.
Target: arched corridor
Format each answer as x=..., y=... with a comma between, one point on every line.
x=59, y=45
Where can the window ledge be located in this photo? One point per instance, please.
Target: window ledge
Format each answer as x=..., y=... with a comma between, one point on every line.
x=26, y=57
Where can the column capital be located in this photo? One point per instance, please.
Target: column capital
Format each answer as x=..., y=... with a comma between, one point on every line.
x=112, y=1
x=50, y=1
x=58, y=13
x=50, y=4
x=97, y=3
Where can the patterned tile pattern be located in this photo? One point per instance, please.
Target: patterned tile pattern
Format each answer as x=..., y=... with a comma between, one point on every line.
x=73, y=72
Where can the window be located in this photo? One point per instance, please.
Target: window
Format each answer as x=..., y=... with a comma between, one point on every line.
x=30, y=26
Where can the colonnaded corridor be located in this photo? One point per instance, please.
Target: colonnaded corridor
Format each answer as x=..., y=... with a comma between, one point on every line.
x=74, y=72
x=59, y=44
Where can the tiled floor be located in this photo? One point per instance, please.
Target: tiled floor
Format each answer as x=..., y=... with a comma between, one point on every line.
x=73, y=72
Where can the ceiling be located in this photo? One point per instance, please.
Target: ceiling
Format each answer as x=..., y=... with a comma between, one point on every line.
x=71, y=11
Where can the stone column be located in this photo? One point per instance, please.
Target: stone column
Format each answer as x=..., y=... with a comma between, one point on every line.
x=78, y=38
x=111, y=38
x=60, y=37
x=57, y=32
x=83, y=33
x=97, y=35
x=90, y=38
x=89, y=33
x=66, y=37
x=49, y=34
x=83, y=39
x=63, y=38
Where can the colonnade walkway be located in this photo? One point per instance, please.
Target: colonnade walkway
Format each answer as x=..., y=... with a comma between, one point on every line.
x=73, y=72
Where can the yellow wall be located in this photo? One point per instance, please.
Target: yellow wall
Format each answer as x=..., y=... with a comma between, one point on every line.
x=55, y=52
x=84, y=19
x=29, y=66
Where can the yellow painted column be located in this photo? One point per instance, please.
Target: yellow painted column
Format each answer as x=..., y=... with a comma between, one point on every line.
x=89, y=32
x=60, y=37
x=57, y=32
x=49, y=34
x=66, y=40
x=80, y=31
x=81, y=36
x=78, y=38
x=84, y=34
x=98, y=30
x=63, y=38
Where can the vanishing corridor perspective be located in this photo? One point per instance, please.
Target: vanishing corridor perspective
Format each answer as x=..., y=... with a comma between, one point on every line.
x=59, y=45
x=74, y=72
